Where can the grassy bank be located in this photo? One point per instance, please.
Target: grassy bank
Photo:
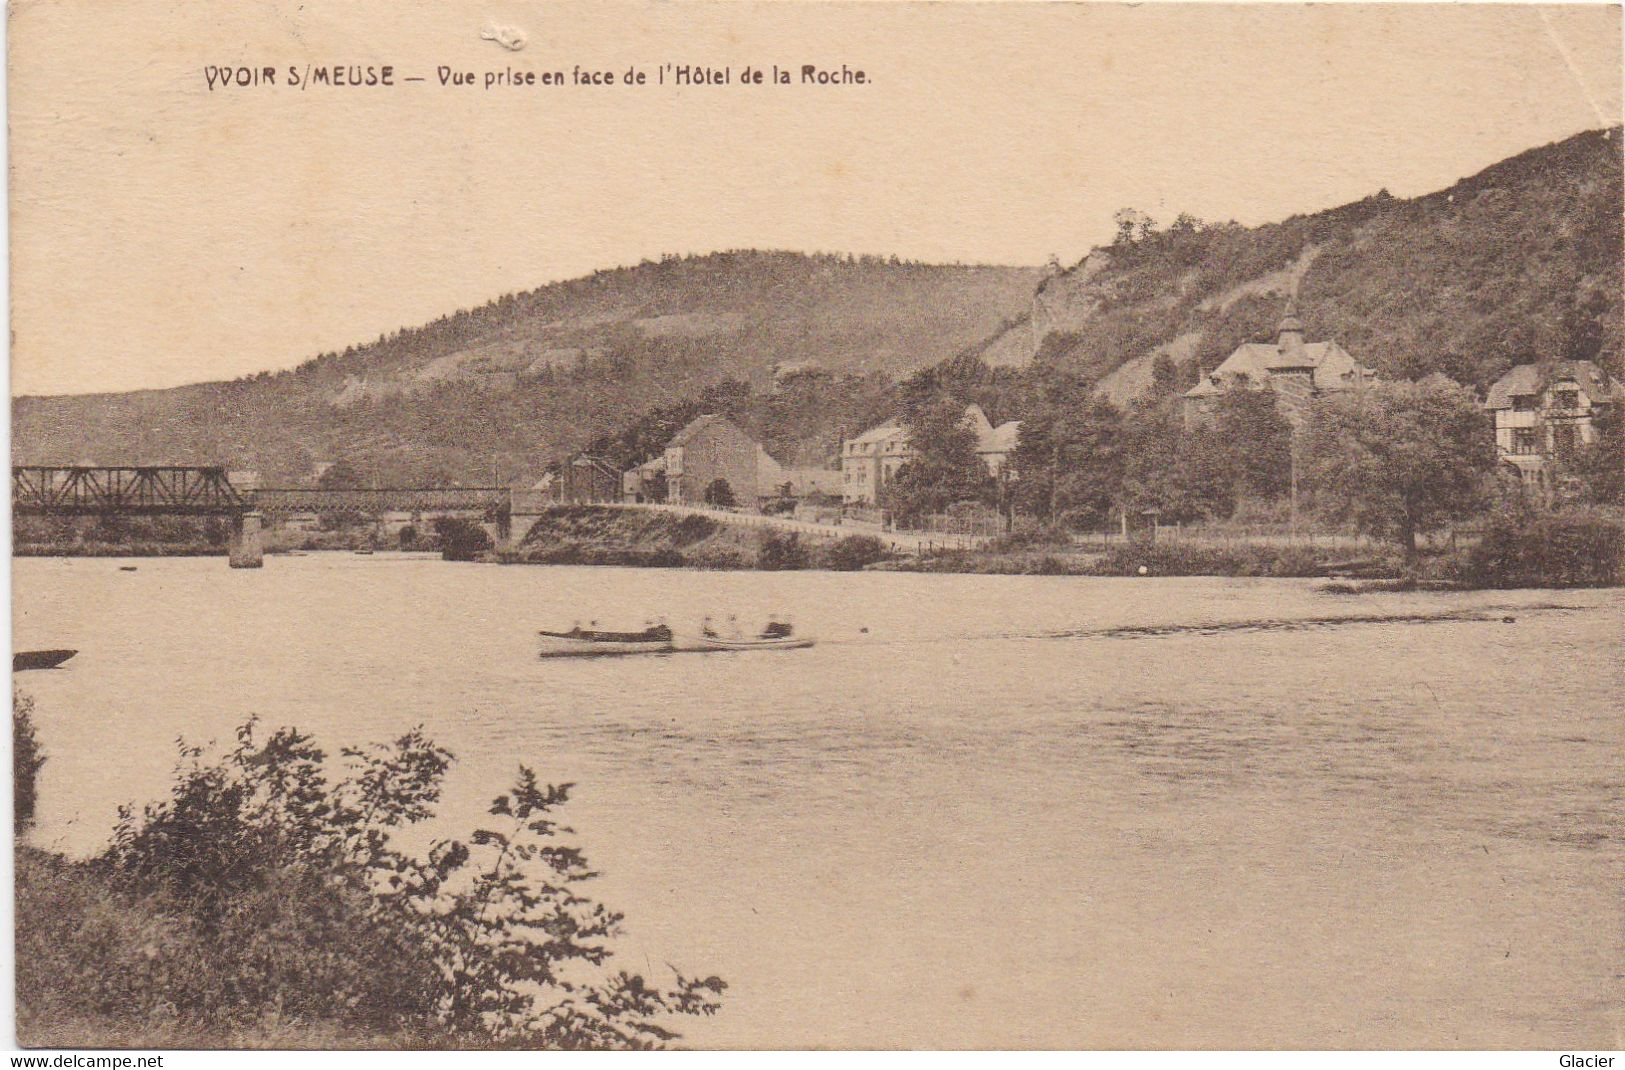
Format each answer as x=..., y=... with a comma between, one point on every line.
x=1023, y=556
x=590, y=535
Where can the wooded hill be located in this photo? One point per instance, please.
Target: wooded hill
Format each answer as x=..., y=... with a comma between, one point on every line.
x=497, y=391
x=1519, y=262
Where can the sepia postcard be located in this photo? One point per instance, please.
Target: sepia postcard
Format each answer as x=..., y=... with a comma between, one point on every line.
x=817, y=525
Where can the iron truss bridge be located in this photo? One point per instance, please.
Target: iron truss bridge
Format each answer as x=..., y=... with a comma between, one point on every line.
x=282, y=501
x=172, y=490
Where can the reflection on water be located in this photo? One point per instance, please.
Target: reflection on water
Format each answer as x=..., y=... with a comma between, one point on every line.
x=973, y=814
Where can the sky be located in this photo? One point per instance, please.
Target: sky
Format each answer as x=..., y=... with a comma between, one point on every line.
x=163, y=232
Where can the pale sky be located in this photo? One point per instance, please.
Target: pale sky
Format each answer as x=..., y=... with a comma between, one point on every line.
x=163, y=233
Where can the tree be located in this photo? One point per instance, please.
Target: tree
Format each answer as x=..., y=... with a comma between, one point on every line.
x=943, y=467
x=1164, y=376
x=1399, y=458
x=1257, y=441
x=1181, y=474
x=1069, y=455
x=719, y=493
x=340, y=475
x=1599, y=465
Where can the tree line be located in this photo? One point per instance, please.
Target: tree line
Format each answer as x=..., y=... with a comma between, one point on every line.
x=1395, y=459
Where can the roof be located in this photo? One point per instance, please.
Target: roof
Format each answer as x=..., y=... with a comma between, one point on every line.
x=1328, y=363
x=1001, y=439
x=1596, y=384
x=1271, y=357
x=880, y=432
x=699, y=425
x=978, y=422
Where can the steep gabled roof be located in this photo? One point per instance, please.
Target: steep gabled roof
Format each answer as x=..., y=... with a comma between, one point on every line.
x=698, y=425
x=1001, y=439
x=1598, y=387
x=1329, y=364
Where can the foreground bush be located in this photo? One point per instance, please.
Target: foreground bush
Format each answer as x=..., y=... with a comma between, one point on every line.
x=779, y=551
x=850, y=553
x=1526, y=548
x=262, y=899
x=27, y=758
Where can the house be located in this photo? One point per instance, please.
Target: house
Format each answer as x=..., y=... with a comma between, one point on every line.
x=1544, y=411
x=582, y=479
x=994, y=445
x=869, y=461
x=646, y=482
x=1297, y=371
x=711, y=452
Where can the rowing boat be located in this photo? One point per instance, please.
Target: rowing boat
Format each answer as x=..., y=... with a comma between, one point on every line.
x=588, y=642
x=23, y=660
x=718, y=642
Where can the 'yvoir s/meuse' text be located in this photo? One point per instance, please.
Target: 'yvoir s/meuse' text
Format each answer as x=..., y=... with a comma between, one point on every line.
x=676, y=75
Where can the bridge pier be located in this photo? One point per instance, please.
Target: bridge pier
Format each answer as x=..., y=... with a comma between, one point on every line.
x=524, y=509
x=245, y=549
x=518, y=528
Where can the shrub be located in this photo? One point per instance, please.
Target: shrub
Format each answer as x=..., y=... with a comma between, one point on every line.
x=1522, y=547
x=262, y=891
x=716, y=559
x=27, y=758
x=460, y=540
x=851, y=553
x=718, y=492
x=1044, y=538
x=780, y=551
x=1183, y=559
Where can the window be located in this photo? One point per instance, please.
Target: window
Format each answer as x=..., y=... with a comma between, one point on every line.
x=1523, y=441
x=1566, y=399
x=1523, y=402
x=1564, y=440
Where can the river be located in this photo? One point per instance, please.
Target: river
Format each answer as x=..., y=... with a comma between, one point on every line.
x=983, y=811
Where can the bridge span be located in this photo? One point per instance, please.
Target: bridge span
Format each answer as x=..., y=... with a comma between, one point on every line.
x=207, y=491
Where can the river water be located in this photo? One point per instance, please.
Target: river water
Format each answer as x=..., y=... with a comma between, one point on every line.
x=1013, y=811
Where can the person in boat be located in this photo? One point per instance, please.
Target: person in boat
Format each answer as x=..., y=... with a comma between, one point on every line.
x=777, y=628
x=707, y=628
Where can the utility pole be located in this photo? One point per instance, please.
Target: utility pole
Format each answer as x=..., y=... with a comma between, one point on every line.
x=1293, y=456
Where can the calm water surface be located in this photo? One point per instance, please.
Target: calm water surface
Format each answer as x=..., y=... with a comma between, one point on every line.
x=1015, y=811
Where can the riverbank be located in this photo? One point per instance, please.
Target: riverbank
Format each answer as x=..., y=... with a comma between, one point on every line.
x=1017, y=557
x=590, y=535
x=1572, y=549
x=117, y=549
